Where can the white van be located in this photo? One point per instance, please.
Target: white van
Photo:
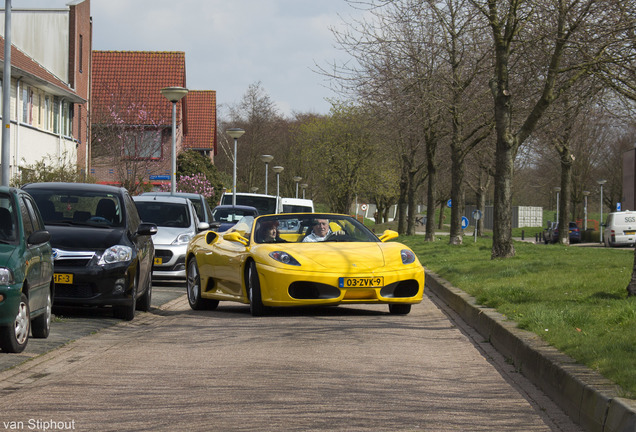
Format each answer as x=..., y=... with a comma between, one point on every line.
x=620, y=229
x=297, y=205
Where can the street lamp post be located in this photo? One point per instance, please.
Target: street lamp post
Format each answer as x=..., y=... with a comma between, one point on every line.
x=235, y=133
x=278, y=170
x=297, y=179
x=585, y=194
x=174, y=95
x=304, y=186
x=600, y=225
x=267, y=159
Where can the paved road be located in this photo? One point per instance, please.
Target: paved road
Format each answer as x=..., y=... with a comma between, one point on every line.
x=72, y=324
x=344, y=369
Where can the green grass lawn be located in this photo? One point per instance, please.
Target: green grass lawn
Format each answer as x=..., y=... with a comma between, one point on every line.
x=572, y=297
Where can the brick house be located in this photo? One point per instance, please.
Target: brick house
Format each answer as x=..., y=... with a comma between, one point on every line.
x=132, y=120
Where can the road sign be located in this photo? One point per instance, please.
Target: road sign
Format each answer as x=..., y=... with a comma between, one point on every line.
x=476, y=214
x=159, y=177
x=464, y=222
x=618, y=206
x=363, y=207
x=449, y=203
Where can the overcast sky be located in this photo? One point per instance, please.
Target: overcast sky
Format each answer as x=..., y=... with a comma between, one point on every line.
x=230, y=44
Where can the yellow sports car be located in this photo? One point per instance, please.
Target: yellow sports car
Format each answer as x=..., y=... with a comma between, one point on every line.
x=301, y=259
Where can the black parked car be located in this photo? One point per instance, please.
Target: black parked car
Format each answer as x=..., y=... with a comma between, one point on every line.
x=103, y=253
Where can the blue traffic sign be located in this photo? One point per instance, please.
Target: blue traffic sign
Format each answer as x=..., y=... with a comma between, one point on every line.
x=464, y=222
x=618, y=206
x=449, y=203
x=159, y=177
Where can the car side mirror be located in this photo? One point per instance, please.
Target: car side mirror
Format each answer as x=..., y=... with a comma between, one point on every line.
x=146, y=229
x=39, y=237
x=388, y=235
x=203, y=226
x=236, y=237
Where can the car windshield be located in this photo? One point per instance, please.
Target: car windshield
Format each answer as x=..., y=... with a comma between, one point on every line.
x=164, y=214
x=8, y=221
x=90, y=208
x=230, y=214
x=311, y=227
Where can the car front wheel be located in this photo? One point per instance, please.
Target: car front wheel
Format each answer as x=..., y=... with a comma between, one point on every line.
x=127, y=312
x=14, y=337
x=41, y=325
x=254, y=291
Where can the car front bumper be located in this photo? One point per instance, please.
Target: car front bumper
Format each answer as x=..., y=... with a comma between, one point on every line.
x=293, y=287
x=172, y=262
x=95, y=285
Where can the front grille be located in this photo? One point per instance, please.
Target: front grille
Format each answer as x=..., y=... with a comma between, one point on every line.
x=165, y=255
x=72, y=258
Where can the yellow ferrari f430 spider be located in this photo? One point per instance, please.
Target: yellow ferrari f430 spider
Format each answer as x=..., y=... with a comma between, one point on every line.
x=302, y=259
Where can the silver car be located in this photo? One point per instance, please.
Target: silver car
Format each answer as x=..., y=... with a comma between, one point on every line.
x=177, y=222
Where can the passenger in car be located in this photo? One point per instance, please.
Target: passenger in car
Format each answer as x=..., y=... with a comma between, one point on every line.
x=268, y=233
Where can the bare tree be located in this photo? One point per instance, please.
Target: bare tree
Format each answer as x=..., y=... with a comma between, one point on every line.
x=127, y=139
x=556, y=44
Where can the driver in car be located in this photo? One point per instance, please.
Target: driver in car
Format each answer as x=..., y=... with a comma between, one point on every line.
x=320, y=231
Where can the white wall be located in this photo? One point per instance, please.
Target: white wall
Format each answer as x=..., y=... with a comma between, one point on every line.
x=43, y=35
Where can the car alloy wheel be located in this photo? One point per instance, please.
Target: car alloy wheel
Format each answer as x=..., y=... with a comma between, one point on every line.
x=14, y=337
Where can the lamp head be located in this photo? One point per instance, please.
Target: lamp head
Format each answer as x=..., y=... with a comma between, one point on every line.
x=235, y=133
x=174, y=94
x=267, y=158
x=278, y=169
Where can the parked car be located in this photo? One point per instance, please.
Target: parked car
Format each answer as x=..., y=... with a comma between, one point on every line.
x=26, y=271
x=200, y=203
x=351, y=266
x=103, y=252
x=177, y=222
x=551, y=234
x=620, y=229
x=225, y=217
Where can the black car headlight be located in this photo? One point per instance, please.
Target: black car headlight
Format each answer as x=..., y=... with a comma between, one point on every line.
x=115, y=254
x=284, y=257
x=408, y=257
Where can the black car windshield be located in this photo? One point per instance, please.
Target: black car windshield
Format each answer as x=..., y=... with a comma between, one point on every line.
x=311, y=228
x=89, y=208
x=164, y=214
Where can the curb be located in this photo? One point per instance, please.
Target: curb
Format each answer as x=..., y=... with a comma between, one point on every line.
x=585, y=396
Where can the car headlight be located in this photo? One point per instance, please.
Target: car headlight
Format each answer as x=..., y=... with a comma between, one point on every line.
x=408, y=257
x=115, y=254
x=182, y=239
x=6, y=276
x=284, y=257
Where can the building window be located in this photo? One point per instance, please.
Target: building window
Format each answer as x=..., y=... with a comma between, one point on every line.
x=81, y=53
x=56, y=114
x=144, y=145
x=25, y=104
x=46, y=123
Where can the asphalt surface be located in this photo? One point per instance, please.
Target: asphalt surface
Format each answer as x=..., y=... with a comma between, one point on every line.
x=70, y=324
x=337, y=369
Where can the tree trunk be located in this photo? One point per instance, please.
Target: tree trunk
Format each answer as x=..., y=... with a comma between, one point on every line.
x=502, y=244
x=457, y=196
